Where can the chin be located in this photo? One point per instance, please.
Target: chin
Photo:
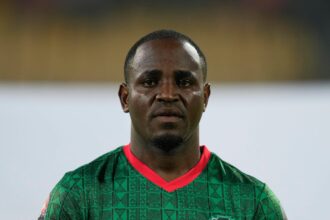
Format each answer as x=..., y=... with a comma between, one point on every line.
x=167, y=142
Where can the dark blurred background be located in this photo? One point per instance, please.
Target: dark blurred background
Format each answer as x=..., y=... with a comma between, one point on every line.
x=87, y=40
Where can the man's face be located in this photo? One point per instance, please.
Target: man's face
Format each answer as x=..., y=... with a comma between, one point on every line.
x=165, y=94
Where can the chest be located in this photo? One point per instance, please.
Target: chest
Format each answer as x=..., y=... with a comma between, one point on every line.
x=134, y=197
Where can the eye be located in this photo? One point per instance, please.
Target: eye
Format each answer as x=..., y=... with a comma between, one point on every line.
x=149, y=82
x=184, y=82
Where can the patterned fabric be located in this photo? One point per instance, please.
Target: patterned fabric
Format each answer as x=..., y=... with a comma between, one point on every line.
x=111, y=188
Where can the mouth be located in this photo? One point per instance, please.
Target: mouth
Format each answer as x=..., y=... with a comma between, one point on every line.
x=168, y=114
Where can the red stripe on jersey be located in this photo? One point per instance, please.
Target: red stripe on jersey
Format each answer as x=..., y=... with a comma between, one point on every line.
x=172, y=185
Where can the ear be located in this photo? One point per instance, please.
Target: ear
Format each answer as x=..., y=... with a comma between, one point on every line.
x=207, y=93
x=123, y=96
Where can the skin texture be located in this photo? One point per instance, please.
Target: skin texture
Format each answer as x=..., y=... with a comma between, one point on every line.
x=165, y=96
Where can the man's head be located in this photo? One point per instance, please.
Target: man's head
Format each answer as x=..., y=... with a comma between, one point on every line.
x=165, y=90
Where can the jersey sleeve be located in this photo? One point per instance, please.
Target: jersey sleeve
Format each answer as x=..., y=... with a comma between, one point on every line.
x=269, y=207
x=67, y=199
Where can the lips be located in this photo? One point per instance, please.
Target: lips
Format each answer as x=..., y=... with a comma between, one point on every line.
x=168, y=113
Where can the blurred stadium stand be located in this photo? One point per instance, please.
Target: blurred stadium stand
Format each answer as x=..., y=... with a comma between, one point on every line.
x=86, y=40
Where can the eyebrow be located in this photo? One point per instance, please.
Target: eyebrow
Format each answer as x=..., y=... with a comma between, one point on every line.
x=157, y=73
x=184, y=74
x=151, y=73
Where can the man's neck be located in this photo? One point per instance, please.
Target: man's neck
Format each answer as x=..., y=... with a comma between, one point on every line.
x=168, y=165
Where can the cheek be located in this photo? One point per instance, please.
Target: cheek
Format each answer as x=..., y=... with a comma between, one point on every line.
x=195, y=99
x=137, y=104
x=198, y=94
x=195, y=104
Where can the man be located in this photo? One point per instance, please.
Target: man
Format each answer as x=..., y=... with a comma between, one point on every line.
x=163, y=173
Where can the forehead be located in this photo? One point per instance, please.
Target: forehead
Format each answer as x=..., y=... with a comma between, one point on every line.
x=166, y=54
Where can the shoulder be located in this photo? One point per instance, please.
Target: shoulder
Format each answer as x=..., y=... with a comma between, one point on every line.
x=101, y=166
x=94, y=169
x=231, y=174
x=68, y=197
x=267, y=204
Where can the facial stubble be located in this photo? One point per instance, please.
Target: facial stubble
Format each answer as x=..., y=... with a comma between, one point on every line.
x=167, y=142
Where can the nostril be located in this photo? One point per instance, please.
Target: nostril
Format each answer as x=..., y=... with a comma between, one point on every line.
x=167, y=98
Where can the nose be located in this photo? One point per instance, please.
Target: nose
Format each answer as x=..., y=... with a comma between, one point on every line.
x=167, y=92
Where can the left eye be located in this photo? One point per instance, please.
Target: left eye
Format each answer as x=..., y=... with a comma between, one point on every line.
x=184, y=83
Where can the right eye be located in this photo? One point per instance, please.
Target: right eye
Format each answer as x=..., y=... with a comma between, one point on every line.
x=149, y=82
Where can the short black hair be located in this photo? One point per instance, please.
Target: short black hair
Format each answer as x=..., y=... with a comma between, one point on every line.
x=163, y=34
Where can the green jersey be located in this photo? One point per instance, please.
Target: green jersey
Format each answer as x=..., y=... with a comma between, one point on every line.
x=119, y=186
